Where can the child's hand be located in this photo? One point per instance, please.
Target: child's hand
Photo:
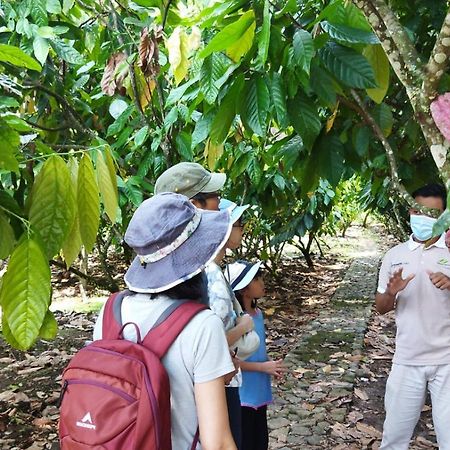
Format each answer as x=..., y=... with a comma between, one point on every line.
x=275, y=368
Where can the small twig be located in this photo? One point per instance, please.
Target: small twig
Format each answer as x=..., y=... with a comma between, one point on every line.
x=166, y=13
x=41, y=127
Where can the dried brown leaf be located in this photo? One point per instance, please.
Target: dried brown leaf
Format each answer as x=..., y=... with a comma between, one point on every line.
x=111, y=81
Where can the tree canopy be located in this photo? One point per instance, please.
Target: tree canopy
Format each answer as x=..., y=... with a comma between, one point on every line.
x=289, y=98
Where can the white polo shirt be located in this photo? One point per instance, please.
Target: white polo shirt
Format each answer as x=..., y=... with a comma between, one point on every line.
x=422, y=314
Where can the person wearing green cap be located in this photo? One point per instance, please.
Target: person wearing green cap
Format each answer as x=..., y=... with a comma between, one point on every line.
x=195, y=182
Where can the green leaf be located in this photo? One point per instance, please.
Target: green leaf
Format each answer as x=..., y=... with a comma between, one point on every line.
x=279, y=100
x=263, y=36
x=25, y=292
x=226, y=112
x=382, y=114
x=229, y=35
x=108, y=191
x=178, y=48
x=6, y=333
x=72, y=245
x=213, y=68
x=201, y=130
x=239, y=48
x=256, y=104
x=49, y=327
x=9, y=146
x=349, y=35
x=41, y=48
x=53, y=6
x=133, y=191
x=17, y=57
x=305, y=119
x=381, y=68
x=361, y=140
x=88, y=202
x=442, y=224
x=322, y=84
x=303, y=46
x=8, y=239
x=290, y=152
x=140, y=136
x=67, y=5
x=120, y=122
x=39, y=12
x=183, y=145
x=67, y=52
x=348, y=66
x=52, y=209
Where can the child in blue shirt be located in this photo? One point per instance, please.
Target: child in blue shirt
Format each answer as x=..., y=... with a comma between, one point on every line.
x=247, y=283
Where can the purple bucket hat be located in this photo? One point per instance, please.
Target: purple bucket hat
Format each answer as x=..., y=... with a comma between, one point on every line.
x=173, y=240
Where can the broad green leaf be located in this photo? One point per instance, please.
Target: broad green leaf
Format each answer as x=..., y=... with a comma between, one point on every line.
x=212, y=154
x=322, y=84
x=239, y=48
x=117, y=107
x=140, y=136
x=350, y=35
x=8, y=102
x=72, y=245
x=67, y=5
x=201, y=130
x=120, y=122
x=290, y=152
x=382, y=114
x=442, y=224
x=256, y=104
x=49, y=327
x=183, y=145
x=348, y=66
x=263, y=37
x=6, y=332
x=25, y=292
x=45, y=32
x=381, y=67
x=178, y=48
x=361, y=140
x=226, y=112
x=303, y=46
x=133, y=191
x=17, y=57
x=7, y=239
x=9, y=146
x=67, y=52
x=305, y=119
x=88, y=202
x=213, y=68
x=229, y=35
x=39, y=12
x=40, y=48
x=111, y=167
x=177, y=93
x=279, y=100
x=52, y=209
x=53, y=6
x=108, y=190
x=23, y=27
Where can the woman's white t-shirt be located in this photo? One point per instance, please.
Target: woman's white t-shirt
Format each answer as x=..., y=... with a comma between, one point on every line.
x=199, y=354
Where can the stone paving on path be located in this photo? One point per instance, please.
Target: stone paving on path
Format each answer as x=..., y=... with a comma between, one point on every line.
x=323, y=365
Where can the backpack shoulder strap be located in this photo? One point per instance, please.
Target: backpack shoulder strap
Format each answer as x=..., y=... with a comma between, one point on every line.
x=169, y=325
x=112, y=315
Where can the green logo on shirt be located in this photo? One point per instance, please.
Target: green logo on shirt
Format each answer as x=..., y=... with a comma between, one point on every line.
x=443, y=262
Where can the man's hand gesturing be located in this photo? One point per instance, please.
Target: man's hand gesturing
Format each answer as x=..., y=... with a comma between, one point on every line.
x=440, y=280
x=397, y=283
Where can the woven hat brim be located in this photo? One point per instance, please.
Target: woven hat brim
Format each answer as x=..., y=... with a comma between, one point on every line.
x=186, y=261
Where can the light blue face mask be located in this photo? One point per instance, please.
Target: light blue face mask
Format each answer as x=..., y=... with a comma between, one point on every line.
x=422, y=226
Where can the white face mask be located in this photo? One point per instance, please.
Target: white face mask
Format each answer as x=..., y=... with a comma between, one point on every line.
x=422, y=226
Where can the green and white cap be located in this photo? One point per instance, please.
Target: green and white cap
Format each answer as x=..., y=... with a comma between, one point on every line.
x=189, y=179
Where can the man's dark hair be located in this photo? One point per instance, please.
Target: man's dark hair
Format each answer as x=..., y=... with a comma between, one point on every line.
x=432, y=190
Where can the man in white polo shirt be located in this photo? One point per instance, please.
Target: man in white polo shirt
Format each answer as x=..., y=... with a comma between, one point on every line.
x=414, y=280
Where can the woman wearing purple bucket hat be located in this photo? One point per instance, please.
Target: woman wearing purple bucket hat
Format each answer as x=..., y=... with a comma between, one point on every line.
x=174, y=242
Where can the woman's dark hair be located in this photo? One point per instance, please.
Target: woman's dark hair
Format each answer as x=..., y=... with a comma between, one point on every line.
x=201, y=198
x=432, y=190
x=238, y=294
x=193, y=289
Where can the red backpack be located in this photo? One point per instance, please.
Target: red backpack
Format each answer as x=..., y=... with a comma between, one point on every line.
x=116, y=393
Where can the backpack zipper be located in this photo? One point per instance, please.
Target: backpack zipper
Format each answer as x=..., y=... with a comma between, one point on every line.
x=129, y=398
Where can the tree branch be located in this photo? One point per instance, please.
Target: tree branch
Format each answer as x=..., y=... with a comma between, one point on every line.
x=438, y=62
x=100, y=282
x=41, y=127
